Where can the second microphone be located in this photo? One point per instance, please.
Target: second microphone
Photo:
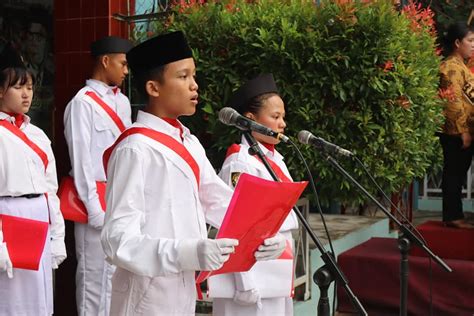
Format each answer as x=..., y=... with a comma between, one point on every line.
x=231, y=117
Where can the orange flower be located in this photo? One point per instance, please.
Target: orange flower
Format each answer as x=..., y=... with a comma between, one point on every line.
x=403, y=102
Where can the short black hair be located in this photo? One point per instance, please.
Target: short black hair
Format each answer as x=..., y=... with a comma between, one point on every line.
x=255, y=104
x=155, y=74
x=456, y=31
x=13, y=75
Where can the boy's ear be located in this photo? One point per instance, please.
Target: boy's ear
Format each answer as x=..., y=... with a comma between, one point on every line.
x=104, y=60
x=151, y=88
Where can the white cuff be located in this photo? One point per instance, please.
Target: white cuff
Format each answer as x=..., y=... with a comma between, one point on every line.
x=244, y=281
x=187, y=255
x=93, y=207
x=58, y=248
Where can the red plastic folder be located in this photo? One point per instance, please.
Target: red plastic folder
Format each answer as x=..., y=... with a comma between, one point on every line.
x=257, y=210
x=71, y=205
x=25, y=240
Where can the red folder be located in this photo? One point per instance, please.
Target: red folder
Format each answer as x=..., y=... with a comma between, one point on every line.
x=71, y=205
x=25, y=240
x=257, y=210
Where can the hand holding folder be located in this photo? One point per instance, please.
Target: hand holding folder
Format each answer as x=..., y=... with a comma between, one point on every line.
x=256, y=212
x=71, y=206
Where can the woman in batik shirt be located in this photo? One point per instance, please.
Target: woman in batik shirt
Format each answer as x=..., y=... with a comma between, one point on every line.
x=457, y=88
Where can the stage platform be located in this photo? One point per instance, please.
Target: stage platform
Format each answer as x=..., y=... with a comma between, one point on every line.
x=346, y=231
x=373, y=268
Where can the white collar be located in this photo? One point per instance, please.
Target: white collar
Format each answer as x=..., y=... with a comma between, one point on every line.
x=274, y=155
x=156, y=123
x=11, y=119
x=101, y=87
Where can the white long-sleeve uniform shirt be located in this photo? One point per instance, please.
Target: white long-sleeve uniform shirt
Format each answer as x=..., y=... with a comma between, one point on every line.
x=233, y=166
x=89, y=131
x=156, y=214
x=22, y=172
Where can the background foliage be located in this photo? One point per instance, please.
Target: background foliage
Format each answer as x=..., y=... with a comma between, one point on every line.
x=449, y=11
x=363, y=76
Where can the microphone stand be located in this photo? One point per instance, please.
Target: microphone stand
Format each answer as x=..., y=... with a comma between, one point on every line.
x=405, y=239
x=329, y=271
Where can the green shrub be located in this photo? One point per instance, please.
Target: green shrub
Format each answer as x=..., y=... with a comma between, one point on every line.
x=448, y=11
x=360, y=75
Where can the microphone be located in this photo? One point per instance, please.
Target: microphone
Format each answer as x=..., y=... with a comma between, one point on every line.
x=306, y=137
x=231, y=117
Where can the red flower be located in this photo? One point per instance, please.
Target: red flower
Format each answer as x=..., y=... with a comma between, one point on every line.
x=183, y=5
x=388, y=66
x=421, y=19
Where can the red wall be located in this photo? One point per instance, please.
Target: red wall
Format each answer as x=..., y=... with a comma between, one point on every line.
x=77, y=23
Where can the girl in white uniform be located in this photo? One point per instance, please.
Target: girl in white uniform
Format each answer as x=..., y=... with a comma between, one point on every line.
x=28, y=186
x=258, y=100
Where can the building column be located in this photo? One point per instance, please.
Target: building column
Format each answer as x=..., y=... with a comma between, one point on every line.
x=77, y=23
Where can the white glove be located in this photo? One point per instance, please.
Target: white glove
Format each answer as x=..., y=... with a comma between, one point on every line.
x=58, y=252
x=5, y=262
x=248, y=298
x=213, y=253
x=96, y=220
x=272, y=248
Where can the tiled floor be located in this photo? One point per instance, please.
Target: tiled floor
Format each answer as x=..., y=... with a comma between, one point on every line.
x=340, y=225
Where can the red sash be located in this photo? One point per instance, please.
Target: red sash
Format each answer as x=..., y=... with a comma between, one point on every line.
x=107, y=109
x=19, y=133
x=163, y=139
x=235, y=148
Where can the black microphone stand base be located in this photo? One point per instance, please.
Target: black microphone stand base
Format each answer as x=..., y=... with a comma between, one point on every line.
x=323, y=278
x=404, y=245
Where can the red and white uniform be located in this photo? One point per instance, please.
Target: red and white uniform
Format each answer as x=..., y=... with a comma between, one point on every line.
x=235, y=164
x=156, y=214
x=23, y=172
x=89, y=131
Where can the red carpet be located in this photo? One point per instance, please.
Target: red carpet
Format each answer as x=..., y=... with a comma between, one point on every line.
x=450, y=243
x=372, y=269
